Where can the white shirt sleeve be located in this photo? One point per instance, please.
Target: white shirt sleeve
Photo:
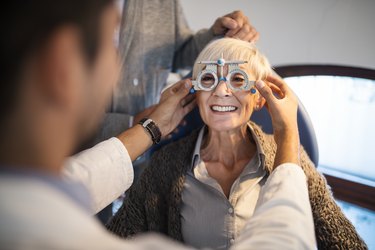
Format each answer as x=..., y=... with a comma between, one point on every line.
x=283, y=217
x=105, y=169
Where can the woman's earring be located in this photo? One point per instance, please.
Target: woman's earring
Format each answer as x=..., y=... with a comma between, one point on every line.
x=253, y=90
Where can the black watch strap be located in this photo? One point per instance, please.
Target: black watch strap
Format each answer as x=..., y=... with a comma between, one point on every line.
x=150, y=126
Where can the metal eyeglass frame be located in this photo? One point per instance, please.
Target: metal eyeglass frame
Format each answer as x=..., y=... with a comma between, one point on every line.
x=233, y=68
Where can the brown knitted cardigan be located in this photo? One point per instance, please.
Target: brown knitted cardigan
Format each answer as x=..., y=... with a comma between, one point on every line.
x=153, y=203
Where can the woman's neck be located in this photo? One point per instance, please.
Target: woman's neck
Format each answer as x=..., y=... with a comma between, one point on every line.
x=228, y=147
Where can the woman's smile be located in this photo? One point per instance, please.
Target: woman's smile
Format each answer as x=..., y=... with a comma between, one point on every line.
x=223, y=108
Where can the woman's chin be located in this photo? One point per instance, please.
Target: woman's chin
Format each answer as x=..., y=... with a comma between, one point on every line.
x=222, y=126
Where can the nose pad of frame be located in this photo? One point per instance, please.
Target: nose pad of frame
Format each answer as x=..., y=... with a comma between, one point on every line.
x=222, y=78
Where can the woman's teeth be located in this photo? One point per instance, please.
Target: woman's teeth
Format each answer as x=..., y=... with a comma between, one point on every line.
x=223, y=108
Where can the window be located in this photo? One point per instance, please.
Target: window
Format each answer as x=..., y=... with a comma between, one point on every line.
x=341, y=104
x=340, y=108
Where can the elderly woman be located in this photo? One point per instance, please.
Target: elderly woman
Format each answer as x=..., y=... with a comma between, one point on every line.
x=202, y=189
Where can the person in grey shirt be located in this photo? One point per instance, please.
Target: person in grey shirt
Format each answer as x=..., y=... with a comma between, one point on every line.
x=155, y=40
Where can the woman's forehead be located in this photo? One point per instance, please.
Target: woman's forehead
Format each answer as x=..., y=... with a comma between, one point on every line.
x=245, y=67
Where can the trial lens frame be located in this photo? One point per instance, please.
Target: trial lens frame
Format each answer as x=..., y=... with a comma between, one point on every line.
x=211, y=68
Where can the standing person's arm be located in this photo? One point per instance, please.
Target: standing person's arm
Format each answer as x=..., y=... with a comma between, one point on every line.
x=106, y=169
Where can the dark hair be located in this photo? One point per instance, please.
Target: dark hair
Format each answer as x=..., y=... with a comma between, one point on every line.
x=26, y=25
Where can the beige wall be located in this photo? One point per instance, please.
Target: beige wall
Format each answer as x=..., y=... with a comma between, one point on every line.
x=301, y=31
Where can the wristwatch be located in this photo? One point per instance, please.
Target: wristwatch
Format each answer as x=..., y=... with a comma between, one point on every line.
x=150, y=126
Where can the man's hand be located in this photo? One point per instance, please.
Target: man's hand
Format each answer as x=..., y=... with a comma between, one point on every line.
x=235, y=25
x=174, y=104
x=144, y=113
x=282, y=105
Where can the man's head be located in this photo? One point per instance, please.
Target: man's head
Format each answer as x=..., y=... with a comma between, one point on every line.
x=58, y=63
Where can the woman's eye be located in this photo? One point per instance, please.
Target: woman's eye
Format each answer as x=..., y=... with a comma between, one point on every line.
x=207, y=78
x=239, y=79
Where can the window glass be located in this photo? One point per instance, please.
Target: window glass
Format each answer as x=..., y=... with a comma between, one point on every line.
x=363, y=221
x=342, y=110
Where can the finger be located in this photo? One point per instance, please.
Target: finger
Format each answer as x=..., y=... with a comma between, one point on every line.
x=178, y=86
x=228, y=22
x=167, y=92
x=277, y=93
x=252, y=36
x=256, y=37
x=276, y=90
x=248, y=37
x=178, y=90
x=187, y=100
x=184, y=90
x=189, y=107
x=278, y=82
x=243, y=32
x=239, y=17
x=265, y=91
x=232, y=32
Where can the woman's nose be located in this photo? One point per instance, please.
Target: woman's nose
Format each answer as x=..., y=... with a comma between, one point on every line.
x=222, y=89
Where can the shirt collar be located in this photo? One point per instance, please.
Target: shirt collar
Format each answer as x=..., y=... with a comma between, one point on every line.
x=198, y=144
x=196, y=154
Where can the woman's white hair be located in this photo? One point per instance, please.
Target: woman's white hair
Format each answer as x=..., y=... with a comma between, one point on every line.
x=234, y=49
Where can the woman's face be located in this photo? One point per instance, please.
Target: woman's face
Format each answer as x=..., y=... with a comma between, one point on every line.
x=223, y=109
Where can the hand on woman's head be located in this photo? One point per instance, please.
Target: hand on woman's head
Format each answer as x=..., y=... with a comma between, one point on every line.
x=236, y=25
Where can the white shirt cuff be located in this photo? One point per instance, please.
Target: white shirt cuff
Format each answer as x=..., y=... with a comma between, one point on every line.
x=105, y=169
